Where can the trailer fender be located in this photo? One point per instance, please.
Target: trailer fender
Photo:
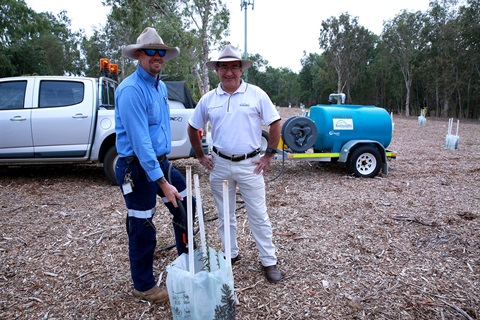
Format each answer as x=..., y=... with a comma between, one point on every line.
x=352, y=144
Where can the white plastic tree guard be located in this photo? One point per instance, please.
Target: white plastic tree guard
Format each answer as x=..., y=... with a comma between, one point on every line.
x=451, y=141
x=393, y=123
x=421, y=119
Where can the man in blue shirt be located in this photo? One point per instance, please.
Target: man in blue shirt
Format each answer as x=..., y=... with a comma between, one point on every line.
x=142, y=125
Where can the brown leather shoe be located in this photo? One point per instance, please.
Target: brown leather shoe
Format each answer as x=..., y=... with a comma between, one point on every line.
x=154, y=295
x=272, y=274
x=237, y=258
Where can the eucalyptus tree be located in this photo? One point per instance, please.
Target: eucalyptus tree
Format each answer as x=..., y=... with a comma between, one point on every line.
x=469, y=27
x=281, y=84
x=15, y=21
x=36, y=43
x=347, y=48
x=195, y=26
x=18, y=54
x=96, y=47
x=315, y=82
x=443, y=52
x=125, y=22
x=385, y=79
x=62, y=45
x=401, y=38
x=207, y=21
x=256, y=72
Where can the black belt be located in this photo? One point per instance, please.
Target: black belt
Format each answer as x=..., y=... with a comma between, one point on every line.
x=131, y=159
x=236, y=158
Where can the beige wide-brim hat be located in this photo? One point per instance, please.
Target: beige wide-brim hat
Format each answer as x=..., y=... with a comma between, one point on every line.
x=149, y=39
x=229, y=53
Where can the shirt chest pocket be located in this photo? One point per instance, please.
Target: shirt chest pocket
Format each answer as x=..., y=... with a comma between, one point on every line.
x=153, y=113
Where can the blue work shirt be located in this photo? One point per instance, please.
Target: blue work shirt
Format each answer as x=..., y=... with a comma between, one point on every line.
x=142, y=120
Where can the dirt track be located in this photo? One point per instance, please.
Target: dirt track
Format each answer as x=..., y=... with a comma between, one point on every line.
x=402, y=246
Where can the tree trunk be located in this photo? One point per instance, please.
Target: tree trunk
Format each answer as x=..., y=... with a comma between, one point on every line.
x=446, y=104
x=408, y=85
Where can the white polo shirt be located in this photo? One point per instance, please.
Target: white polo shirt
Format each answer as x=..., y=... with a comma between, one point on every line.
x=236, y=119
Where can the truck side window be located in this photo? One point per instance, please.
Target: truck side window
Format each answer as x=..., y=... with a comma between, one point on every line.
x=12, y=95
x=108, y=94
x=60, y=93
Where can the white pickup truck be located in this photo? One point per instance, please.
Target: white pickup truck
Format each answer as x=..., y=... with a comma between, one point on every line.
x=61, y=119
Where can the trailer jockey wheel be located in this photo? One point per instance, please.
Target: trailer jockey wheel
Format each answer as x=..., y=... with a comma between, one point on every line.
x=299, y=133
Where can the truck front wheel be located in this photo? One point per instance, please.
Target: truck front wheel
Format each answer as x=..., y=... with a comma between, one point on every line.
x=109, y=164
x=364, y=162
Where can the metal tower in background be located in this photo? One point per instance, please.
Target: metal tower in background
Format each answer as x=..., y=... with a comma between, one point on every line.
x=244, y=5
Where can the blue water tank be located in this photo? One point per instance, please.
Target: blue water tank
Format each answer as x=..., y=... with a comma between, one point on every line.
x=337, y=124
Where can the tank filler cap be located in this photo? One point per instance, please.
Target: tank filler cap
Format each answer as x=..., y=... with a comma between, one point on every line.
x=340, y=97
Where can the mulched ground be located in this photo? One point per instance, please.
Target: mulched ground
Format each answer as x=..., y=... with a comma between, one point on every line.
x=402, y=246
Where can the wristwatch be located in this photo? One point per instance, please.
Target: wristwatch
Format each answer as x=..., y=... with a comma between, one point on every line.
x=270, y=150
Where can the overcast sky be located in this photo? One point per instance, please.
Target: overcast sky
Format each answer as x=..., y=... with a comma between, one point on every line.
x=278, y=30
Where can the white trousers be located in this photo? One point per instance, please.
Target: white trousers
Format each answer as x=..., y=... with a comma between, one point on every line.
x=252, y=189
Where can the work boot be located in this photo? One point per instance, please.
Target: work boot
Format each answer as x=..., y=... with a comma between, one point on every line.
x=154, y=295
x=272, y=274
x=237, y=258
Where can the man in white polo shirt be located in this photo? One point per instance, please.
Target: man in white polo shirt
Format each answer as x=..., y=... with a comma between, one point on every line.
x=236, y=111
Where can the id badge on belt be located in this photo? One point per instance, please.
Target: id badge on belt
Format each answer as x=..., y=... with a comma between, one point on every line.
x=127, y=186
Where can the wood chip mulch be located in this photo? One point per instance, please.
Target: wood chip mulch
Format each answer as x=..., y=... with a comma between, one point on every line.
x=400, y=246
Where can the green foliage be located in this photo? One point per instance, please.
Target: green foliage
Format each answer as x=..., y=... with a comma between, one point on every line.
x=426, y=59
x=316, y=83
x=205, y=259
x=348, y=47
x=26, y=59
x=193, y=26
x=36, y=43
x=7, y=68
x=226, y=311
x=95, y=48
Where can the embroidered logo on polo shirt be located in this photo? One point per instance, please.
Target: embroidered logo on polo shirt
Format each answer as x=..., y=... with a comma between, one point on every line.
x=244, y=104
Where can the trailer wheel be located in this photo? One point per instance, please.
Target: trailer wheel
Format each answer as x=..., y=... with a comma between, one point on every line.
x=364, y=162
x=264, y=146
x=109, y=164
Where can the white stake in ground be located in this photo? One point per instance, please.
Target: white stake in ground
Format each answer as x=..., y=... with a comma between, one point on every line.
x=201, y=223
x=226, y=224
x=191, y=253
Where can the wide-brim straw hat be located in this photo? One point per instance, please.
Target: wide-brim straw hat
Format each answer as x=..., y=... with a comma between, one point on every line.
x=149, y=39
x=229, y=53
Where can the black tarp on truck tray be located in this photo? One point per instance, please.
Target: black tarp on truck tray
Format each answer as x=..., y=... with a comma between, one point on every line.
x=178, y=91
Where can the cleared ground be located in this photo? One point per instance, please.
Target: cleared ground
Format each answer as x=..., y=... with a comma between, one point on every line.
x=402, y=246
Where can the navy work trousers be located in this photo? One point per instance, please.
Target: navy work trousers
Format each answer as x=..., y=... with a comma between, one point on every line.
x=141, y=203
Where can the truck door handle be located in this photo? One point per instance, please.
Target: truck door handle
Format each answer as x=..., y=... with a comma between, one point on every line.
x=79, y=116
x=18, y=118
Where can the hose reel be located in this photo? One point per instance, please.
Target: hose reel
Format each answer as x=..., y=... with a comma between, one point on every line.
x=299, y=133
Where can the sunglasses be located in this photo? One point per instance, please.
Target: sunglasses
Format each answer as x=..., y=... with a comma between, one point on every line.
x=151, y=52
x=226, y=68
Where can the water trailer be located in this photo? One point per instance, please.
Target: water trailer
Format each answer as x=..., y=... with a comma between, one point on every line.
x=357, y=135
